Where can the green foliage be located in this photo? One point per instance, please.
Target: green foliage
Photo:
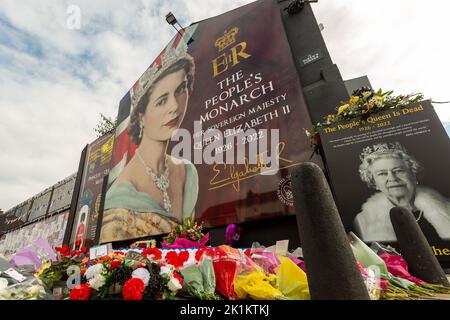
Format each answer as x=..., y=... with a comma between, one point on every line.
x=190, y=230
x=363, y=103
x=105, y=125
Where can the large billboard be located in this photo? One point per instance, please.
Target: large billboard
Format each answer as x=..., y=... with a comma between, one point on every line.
x=230, y=83
x=52, y=229
x=96, y=167
x=398, y=157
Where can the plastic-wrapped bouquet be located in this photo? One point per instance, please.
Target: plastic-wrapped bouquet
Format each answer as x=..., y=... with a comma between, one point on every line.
x=188, y=235
x=31, y=289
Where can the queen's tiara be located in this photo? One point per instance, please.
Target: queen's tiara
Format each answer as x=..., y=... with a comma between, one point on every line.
x=379, y=148
x=174, y=51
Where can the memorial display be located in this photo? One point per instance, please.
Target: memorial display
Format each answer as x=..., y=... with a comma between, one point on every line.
x=210, y=131
x=386, y=158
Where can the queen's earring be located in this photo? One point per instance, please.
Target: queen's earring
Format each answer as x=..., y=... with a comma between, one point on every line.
x=141, y=131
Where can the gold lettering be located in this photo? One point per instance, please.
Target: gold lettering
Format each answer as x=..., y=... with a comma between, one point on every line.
x=220, y=61
x=235, y=176
x=241, y=53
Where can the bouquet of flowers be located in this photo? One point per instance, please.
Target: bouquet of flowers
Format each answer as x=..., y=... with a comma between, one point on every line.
x=119, y=277
x=200, y=280
x=55, y=271
x=362, y=103
x=31, y=289
x=189, y=235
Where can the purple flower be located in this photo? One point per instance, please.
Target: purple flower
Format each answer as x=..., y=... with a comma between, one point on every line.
x=232, y=234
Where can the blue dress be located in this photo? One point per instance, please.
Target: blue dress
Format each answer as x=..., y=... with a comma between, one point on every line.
x=130, y=214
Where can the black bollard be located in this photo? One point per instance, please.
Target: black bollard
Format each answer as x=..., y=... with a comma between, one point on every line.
x=331, y=267
x=415, y=248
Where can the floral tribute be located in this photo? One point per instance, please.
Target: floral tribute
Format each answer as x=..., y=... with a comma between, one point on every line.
x=188, y=235
x=363, y=103
x=223, y=272
x=52, y=272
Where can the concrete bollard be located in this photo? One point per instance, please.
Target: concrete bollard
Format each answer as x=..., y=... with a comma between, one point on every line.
x=415, y=248
x=331, y=267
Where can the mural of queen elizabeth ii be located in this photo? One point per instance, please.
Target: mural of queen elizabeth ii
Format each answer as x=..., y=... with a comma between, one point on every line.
x=388, y=168
x=155, y=191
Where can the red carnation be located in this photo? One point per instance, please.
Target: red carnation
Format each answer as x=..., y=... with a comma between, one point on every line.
x=83, y=249
x=200, y=252
x=155, y=252
x=247, y=252
x=73, y=252
x=114, y=264
x=80, y=292
x=83, y=271
x=183, y=234
x=133, y=289
x=177, y=259
x=183, y=256
x=178, y=276
x=77, y=243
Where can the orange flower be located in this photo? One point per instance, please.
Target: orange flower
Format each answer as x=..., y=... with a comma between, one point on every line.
x=354, y=99
x=105, y=258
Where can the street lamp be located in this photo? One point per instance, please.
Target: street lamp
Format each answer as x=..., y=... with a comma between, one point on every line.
x=170, y=18
x=295, y=6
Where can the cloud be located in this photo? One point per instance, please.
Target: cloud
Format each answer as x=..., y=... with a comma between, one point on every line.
x=55, y=81
x=399, y=44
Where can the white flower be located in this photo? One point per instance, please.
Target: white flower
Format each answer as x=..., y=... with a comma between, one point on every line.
x=174, y=284
x=97, y=282
x=143, y=274
x=3, y=283
x=95, y=270
x=165, y=270
x=35, y=291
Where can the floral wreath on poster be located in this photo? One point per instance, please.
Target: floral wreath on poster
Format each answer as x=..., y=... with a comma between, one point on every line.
x=363, y=103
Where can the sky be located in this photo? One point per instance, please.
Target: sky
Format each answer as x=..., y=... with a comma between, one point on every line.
x=56, y=78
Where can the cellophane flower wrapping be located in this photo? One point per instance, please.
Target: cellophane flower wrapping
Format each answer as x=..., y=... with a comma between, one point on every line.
x=267, y=260
x=252, y=282
x=398, y=267
x=226, y=261
x=369, y=259
x=291, y=280
x=372, y=282
x=182, y=243
x=30, y=289
x=209, y=279
x=193, y=280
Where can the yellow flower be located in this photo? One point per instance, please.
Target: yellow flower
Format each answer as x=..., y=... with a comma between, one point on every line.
x=354, y=100
x=378, y=100
x=45, y=265
x=343, y=108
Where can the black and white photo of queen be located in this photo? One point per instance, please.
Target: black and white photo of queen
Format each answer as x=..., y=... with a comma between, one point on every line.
x=393, y=173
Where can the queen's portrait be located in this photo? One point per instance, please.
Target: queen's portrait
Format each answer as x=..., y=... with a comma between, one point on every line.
x=394, y=174
x=155, y=191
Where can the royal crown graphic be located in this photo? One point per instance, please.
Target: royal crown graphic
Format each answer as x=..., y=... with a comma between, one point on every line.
x=381, y=148
x=227, y=39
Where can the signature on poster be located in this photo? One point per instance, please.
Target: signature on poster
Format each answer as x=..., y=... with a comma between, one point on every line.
x=235, y=176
